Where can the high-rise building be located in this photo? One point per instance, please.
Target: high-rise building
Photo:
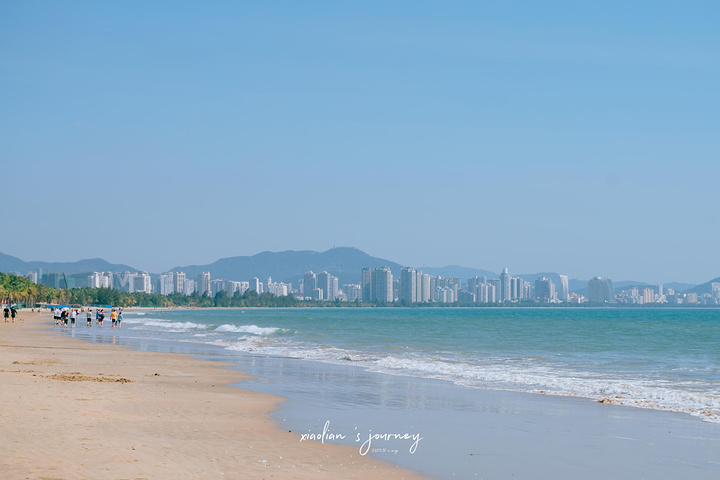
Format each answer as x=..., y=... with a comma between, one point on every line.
x=352, y=292
x=505, y=284
x=179, y=282
x=324, y=282
x=334, y=288
x=140, y=282
x=256, y=285
x=203, y=283
x=100, y=280
x=382, y=280
x=445, y=295
x=648, y=295
x=216, y=286
x=600, y=290
x=485, y=292
x=564, y=290
x=231, y=287
x=309, y=283
x=408, y=286
x=278, y=289
x=188, y=287
x=544, y=289
x=497, y=295
x=424, y=291
x=366, y=286
x=166, y=283
x=121, y=281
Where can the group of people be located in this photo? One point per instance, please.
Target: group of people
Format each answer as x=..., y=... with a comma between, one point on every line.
x=62, y=315
x=9, y=311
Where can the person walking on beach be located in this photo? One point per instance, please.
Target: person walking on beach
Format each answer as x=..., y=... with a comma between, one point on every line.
x=73, y=316
x=119, y=318
x=6, y=313
x=113, y=317
x=56, y=315
x=13, y=313
x=88, y=315
x=100, y=317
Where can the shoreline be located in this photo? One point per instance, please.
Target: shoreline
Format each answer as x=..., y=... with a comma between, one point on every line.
x=80, y=410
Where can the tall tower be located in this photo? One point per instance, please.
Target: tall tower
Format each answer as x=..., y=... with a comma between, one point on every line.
x=203, y=283
x=505, y=283
x=179, y=282
x=564, y=293
x=324, y=283
x=309, y=283
x=367, y=292
x=600, y=290
x=382, y=280
x=408, y=285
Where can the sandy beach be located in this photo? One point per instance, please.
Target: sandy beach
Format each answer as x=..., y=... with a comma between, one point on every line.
x=74, y=410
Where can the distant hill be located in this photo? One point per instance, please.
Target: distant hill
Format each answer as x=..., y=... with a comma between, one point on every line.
x=9, y=264
x=679, y=287
x=345, y=263
x=703, y=288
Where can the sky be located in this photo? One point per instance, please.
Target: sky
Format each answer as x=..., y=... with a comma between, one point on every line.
x=575, y=137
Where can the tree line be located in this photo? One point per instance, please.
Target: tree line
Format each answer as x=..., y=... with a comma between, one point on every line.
x=15, y=289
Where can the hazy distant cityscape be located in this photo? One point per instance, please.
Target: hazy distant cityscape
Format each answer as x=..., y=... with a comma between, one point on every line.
x=380, y=286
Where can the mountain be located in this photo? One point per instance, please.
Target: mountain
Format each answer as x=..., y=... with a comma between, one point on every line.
x=9, y=264
x=345, y=263
x=681, y=287
x=703, y=288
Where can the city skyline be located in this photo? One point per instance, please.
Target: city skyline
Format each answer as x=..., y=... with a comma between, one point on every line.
x=533, y=136
x=380, y=287
x=418, y=267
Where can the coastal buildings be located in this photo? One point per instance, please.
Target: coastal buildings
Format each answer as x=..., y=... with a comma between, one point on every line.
x=202, y=284
x=505, y=283
x=600, y=290
x=179, y=282
x=406, y=286
x=563, y=289
x=140, y=282
x=166, y=283
x=100, y=280
x=188, y=287
x=366, y=285
x=544, y=290
x=352, y=292
x=381, y=286
x=309, y=284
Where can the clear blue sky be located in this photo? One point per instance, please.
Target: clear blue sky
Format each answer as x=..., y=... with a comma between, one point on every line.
x=568, y=136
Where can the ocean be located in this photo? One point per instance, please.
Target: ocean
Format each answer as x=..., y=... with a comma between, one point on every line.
x=447, y=374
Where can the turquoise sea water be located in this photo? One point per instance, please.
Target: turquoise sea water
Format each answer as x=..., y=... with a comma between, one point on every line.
x=660, y=359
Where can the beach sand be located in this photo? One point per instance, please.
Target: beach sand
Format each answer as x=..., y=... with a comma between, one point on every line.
x=74, y=410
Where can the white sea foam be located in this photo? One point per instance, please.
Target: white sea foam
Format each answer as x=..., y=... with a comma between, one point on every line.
x=541, y=374
x=527, y=374
x=180, y=326
x=252, y=329
x=543, y=379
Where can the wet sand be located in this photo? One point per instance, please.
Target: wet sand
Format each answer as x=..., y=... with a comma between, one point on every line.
x=73, y=410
